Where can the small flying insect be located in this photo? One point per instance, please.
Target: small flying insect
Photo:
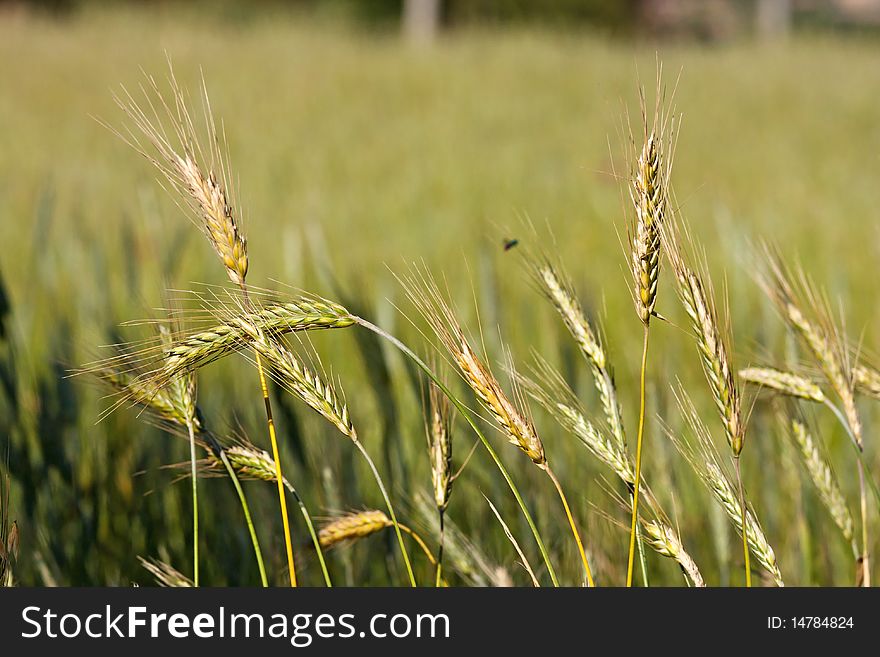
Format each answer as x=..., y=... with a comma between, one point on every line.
x=510, y=244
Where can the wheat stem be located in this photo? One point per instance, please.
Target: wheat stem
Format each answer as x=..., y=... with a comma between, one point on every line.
x=638, y=478
x=247, y=516
x=372, y=466
x=195, y=499
x=574, y=529
x=439, y=574
x=742, y=505
x=465, y=412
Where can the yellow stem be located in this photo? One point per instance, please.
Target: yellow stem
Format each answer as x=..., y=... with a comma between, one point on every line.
x=863, y=509
x=574, y=529
x=742, y=505
x=279, y=478
x=635, y=505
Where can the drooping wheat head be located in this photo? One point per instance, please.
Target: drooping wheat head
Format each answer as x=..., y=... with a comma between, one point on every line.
x=588, y=340
x=823, y=478
x=821, y=334
x=788, y=383
x=701, y=454
x=553, y=393
x=516, y=426
x=275, y=319
x=352, y=526
x=666, y=541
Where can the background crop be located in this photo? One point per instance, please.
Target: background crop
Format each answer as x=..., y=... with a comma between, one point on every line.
x=358, y=154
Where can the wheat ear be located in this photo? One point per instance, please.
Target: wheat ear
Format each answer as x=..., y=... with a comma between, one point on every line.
x=466, y=414
x=356, y=525
x=559, y=400
x=825, y=341
x=867, y=380
x=788, y=383
x=823, y=479
x=439, y=432
x=199, y=349
x=516, y=425
x=704, y=460
x=165, y=574
x=649, y=191
x=204, y=182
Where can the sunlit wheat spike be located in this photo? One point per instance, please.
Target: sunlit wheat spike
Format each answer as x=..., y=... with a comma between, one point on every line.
x=165, y=574
x=823, y=479
x=559, y=400
x=352, y=526
x=662, y=538
x=250, y=462
x=198, y=172
x=518, y=427
x=704, y=460
x=304, y=314
x=822, y=336
x=867, y=380
x=551, y=391
x=587, y=339
x=439, y=432
x=712, y=343
x=166, y=404
x=787, y=383
x=649, y=191
x=300, y=380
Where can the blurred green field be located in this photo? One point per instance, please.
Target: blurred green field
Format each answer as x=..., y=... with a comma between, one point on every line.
x=357, y=156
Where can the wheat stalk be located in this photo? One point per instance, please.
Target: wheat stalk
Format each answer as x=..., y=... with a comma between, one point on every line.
x=788, y=383
x=467, y=558
x=203, y=181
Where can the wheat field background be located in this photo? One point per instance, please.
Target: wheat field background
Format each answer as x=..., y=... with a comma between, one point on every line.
x=357, y=156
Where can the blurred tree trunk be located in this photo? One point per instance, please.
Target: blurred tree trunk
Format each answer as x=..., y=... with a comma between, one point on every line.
x=421, y=18
x=773, y=18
